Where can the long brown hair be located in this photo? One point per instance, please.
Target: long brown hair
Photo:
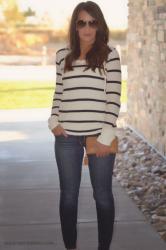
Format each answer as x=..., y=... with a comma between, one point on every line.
x=99, y=51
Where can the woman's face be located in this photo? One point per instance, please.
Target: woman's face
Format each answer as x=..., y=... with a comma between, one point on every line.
x=86, y=27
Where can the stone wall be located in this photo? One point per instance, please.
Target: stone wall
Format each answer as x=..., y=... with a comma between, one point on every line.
x=146, y=52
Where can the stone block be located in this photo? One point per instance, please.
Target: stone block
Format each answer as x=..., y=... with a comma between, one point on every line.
x=160, y=36
x=161, y=9
x=162, y=57
x=150, y=2
x=162, y=16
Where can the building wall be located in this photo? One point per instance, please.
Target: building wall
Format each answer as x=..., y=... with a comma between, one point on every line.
x=146, y=52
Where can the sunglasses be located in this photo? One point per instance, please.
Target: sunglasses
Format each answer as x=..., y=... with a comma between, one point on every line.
x=92, y=24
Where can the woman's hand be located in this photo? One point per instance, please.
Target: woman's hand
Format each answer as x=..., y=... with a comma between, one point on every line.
x=58, y=130
x=101, y=149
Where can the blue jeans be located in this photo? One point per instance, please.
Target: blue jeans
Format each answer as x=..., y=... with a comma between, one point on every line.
x=69, y=154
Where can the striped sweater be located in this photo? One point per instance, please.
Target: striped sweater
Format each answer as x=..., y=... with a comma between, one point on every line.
x=85, y=102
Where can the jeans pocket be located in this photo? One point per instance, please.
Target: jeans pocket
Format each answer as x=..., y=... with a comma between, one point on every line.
x=58, y=136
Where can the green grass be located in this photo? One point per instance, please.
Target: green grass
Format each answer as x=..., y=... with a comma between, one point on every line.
x=124, y=92
x=23, y=94
x=33, y=94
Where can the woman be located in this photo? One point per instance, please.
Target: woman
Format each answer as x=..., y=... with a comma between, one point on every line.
x=86, y=102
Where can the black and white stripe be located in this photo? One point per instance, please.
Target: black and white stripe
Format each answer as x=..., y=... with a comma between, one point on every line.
x=86, y=102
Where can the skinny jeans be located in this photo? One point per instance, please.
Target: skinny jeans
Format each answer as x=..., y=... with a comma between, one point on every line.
x=69, y=153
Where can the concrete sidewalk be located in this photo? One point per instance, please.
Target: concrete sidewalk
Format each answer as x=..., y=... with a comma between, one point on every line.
x=29, y=195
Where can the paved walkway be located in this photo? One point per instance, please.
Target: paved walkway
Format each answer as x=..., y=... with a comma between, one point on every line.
x=29, y=194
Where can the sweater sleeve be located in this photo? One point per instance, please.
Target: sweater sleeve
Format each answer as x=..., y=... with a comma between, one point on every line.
x=113, y=94
x=57, y=96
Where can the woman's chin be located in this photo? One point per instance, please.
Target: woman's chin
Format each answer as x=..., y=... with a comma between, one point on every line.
x=87, y=40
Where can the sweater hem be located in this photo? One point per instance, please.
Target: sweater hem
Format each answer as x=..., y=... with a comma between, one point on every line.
x=83, y=133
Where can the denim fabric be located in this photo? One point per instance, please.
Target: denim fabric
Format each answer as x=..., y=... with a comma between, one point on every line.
x=69, y=154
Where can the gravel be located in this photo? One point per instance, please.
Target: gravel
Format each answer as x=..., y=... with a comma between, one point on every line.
x=141, y=171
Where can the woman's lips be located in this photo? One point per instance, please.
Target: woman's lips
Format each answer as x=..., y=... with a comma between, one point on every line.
x=87, y=36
